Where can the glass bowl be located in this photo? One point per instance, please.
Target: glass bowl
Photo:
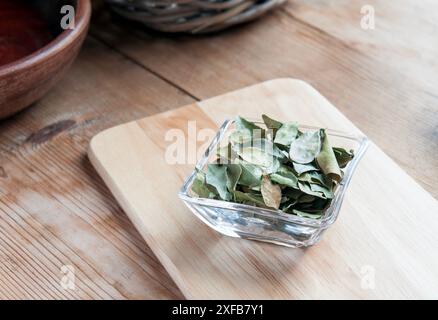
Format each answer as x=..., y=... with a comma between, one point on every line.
x=270, y=225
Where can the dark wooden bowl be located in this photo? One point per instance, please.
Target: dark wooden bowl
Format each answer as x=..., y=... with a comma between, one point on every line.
x=26, y=80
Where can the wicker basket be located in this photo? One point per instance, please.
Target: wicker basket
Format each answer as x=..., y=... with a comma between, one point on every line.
x=193, y=16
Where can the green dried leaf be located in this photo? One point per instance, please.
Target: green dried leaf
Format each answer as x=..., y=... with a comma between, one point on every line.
x=288, y=170
x=271, y=193
x=274, y=167
x=200, y=188
x=324, y=190
x=240, y=136
x=286, y=134
x=244, y=125
x=251, y=175
x=257, y=157
x=315, y=177
x=217, y=177
x=234, y=172
x=262, y=153
x=306, y=147
x=271, y=124
x=327, y=161
x=305, y=187
x=264, y=145
x=285, y=176
x=307, y=214
x=343, y=157
x=226, y=154
x=249, y=198
x=285, y=181
x=302, y=168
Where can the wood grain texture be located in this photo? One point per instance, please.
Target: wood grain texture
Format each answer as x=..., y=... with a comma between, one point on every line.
x=54, y=209
x=404, y=34
x=387, y=222
x=370, y=76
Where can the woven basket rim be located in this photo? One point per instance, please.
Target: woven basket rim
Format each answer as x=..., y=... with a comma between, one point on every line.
x=192, y=16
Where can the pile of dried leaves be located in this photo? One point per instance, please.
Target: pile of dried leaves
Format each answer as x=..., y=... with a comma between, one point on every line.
x=279, y=167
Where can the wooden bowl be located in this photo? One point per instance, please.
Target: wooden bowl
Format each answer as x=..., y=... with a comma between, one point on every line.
x=24, y=81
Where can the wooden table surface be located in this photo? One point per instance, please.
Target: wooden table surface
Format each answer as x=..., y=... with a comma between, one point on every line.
x=56, y=211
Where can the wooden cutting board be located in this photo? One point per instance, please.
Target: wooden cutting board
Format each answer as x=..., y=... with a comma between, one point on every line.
x=384, y=244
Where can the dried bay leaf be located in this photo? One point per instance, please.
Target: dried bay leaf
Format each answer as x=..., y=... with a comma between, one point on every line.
x=266, y=161
x=249, y=198
x=307, y=214
x=305, y=187
x=256, y=156
x=234, y=172
x=282, y=180
x=315, y=177
x=327, y=161
x=264, y=145
x=286, y=134
x=200, y=187
x=271, y=123
x=343, y=157
x=274, y=167
x=302, y=168
x=271, y=193
x=240, y=136
x=280, y=168
x=216, y=176
x=244, y=125
x=226, y=154
x=285, y=176
x=306, y=147
x=251, y=175
x=324, y=190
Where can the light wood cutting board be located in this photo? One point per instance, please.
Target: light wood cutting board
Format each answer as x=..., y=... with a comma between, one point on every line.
x=383, y=245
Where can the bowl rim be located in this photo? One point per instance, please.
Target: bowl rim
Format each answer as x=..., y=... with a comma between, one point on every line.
x=62, y=41
x=324, y=222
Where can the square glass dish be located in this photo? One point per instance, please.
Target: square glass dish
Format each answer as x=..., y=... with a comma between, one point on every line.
x=269, y=225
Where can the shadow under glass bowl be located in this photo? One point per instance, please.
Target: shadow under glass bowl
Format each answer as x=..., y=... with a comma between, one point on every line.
x=269, y=225
x=26, y=80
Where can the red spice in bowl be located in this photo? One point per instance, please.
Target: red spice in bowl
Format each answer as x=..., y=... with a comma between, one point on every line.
x=29, y=78
x=22, y=30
